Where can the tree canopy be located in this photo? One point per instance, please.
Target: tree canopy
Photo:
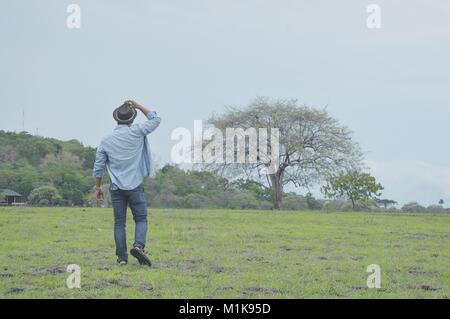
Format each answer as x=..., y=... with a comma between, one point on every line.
x=359, y=187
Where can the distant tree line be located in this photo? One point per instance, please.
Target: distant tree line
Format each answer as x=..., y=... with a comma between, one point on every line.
x=50, y=172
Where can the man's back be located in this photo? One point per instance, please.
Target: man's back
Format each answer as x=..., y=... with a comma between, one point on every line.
x=126, y=153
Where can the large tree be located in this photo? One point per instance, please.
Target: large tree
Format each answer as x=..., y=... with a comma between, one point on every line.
x=312, y=144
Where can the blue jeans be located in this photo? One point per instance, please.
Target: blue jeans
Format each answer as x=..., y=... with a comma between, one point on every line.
x=120, y=200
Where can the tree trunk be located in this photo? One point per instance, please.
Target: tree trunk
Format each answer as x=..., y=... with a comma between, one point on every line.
x=277, y=188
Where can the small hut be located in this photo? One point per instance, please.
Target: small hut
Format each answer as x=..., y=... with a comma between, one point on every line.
x=10, y=197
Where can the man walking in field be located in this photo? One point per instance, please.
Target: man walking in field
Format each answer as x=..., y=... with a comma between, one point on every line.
x=126, y=155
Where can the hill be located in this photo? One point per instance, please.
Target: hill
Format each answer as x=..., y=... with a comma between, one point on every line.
x=29, y=162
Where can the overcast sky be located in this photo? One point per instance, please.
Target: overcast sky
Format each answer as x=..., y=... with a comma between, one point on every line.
x=188, y=58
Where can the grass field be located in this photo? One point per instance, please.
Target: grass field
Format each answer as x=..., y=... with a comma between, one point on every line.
x=226, y=254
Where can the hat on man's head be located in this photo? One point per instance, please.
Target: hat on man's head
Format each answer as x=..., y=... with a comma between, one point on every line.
x=125, y=114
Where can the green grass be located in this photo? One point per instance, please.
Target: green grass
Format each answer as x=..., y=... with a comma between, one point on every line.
x=226, y=254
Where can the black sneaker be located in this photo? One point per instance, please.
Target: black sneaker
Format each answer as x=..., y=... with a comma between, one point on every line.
x=139, y=254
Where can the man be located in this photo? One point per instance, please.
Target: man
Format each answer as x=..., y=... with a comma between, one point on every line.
x=126, y=155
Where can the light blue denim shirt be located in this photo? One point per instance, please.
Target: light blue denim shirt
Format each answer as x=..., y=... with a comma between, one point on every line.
x=126, y=154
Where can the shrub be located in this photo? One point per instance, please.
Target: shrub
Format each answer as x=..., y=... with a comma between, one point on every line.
x=294, y=202
x=45, y=195
x=435, y=209
x=44, y=202
x=337, y=205
x=413, y=207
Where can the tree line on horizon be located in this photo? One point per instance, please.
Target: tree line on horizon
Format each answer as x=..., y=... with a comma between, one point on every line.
x=50, y=172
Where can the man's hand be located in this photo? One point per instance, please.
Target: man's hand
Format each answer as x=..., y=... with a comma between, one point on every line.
x=138, y=106
x=99, y=193
x=98, y=188
x=134, y=104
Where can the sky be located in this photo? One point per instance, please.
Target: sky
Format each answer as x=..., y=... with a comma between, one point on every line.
x=188, y=59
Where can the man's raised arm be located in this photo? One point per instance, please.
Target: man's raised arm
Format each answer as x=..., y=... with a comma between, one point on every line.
x=153, y=121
